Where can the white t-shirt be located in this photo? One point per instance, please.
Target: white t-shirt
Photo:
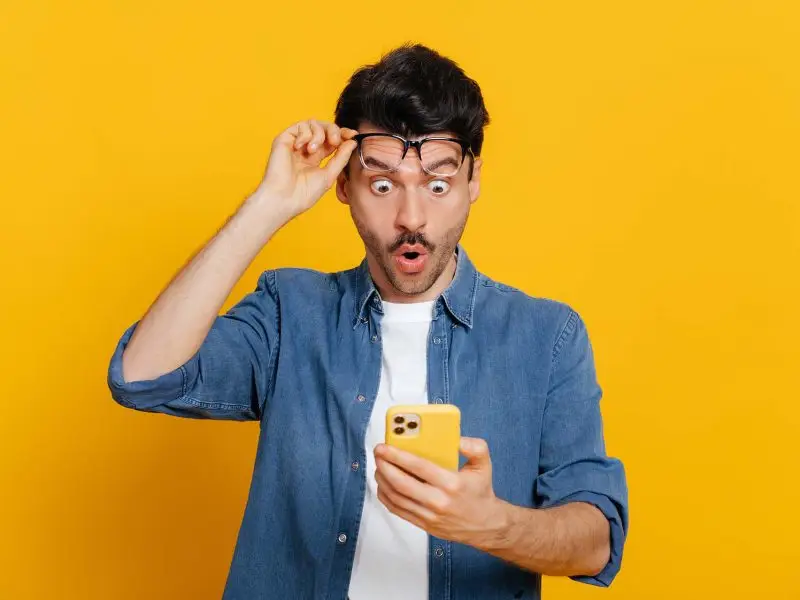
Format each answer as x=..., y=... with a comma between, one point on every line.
x=391, y=561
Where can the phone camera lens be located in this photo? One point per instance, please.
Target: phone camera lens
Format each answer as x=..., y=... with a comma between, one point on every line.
x=412, y=424
x=399, y=430
x=399, y=419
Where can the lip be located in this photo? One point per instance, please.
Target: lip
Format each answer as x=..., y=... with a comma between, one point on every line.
x=410, y=248
x=410, y=266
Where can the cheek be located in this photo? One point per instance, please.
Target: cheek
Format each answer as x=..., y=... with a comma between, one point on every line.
x=369, y=209
x=449, y=212
x=373, y=222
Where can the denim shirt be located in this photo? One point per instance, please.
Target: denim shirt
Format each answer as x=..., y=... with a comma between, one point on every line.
x=302, y=355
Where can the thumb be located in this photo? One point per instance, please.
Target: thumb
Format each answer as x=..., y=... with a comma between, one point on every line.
x=338, y=161
x=476, y=450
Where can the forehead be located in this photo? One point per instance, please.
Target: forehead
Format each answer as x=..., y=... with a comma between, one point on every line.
x=367, y=127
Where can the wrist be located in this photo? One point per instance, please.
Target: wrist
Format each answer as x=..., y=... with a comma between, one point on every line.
x=269, y=203
x=503, y=523
x=265, y=212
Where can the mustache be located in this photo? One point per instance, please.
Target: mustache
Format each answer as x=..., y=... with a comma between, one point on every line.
x=411, y=239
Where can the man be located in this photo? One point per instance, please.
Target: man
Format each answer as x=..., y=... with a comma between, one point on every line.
x=317, y=358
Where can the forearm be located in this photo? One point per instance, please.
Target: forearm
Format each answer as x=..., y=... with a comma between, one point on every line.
x=177, y=323
x=572, y=539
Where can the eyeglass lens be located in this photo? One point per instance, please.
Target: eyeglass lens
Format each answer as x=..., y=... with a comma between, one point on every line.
x=384, y=153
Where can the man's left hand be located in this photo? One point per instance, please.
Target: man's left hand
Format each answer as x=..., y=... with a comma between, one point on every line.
x=456, y=506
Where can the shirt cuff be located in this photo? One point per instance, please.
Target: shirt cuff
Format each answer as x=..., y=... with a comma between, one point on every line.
x=147, y=394
x=618, y=532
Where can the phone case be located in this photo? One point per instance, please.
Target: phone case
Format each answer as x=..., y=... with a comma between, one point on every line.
x=432, y=431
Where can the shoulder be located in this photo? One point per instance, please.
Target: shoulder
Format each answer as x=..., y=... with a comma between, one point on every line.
x=514, y=299
x=309, y=288
x=550, y=318
x=303, y=279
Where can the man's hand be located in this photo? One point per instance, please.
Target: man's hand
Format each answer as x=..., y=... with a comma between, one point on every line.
x=460, y=506
x=294, y=174
x=179, y=320
x=572, y=539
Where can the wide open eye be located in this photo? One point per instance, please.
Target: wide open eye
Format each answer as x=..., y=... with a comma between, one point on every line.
x=438, y=187
x=381, y=186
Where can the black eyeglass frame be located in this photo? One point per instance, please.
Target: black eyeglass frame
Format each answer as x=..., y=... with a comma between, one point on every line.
x=465, y=149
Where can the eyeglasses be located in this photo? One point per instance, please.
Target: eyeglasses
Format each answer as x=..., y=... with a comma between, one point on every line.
x=383, y=152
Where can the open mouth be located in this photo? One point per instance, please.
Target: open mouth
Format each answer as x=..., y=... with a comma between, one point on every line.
x=411, y=261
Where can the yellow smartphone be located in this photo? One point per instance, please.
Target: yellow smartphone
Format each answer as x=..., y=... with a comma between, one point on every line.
x=432, y=431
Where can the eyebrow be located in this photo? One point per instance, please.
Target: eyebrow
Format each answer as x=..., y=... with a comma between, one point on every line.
x=372, y=161
x=441, y=162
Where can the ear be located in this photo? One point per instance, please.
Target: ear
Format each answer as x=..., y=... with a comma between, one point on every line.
x=341, y=187
x=475, y=182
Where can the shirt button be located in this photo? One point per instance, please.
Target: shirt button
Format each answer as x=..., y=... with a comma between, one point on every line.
x=342, y=538
x=438, y=401
x=364, y=319
x=437, y=340
x=438, y=552
x=361, y=397
x=354, y=465
x=374, y=338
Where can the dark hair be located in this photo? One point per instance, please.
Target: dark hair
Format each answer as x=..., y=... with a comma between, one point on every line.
x=414, y=90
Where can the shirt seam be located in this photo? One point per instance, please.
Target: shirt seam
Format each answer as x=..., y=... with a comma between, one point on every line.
x=272, y=284
x=567, y=330
x=184, y=380
x=212, y=405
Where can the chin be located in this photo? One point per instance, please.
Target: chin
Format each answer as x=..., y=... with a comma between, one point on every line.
x=413, y=288
x=411, y=285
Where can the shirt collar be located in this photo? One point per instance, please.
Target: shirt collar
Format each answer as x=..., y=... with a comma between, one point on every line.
x=459, y=297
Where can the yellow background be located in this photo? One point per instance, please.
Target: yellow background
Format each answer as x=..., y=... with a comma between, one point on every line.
x=642, y=165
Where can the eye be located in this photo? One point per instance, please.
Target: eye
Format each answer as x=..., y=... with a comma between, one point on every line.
x=439, y=187
x=381, y=186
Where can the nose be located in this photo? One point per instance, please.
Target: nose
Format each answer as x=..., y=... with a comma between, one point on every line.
x=411, y=210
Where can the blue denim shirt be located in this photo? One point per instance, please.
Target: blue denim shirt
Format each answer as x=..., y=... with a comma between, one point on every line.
x=302, y=355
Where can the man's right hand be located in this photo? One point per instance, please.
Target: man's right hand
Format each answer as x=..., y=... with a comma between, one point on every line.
x=294, y=175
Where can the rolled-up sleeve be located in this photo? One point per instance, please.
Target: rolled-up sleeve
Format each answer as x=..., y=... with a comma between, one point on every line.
x=574, y=466
x=230, y=375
